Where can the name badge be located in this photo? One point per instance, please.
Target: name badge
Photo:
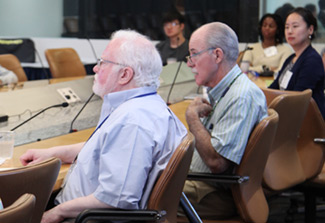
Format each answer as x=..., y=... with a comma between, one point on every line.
x=285, y=80
x=270, y=51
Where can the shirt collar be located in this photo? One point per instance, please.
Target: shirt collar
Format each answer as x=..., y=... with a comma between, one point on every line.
x=113, y=100
x=218, y=90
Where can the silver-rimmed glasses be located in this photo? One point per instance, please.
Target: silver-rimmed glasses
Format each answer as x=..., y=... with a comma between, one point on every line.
x=101, y=61
x=189, y=58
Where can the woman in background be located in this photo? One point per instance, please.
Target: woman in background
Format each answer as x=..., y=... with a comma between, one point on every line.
x=268, y=55
x=304, y=69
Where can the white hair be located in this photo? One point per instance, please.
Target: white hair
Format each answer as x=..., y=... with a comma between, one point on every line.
x=220, y=35
x=138, y=52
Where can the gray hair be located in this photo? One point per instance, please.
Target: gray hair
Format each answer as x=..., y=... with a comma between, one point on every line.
x=138, y=52
x=220, y=35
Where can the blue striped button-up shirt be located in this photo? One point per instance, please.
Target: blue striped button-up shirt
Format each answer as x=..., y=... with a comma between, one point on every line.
x=236, y=112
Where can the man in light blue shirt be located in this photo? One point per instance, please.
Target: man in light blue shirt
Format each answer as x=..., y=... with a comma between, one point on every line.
x=222, y=125
x=134, y=139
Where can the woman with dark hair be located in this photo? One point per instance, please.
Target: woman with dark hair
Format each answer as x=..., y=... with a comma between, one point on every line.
x=304, y=69
x=269, y=54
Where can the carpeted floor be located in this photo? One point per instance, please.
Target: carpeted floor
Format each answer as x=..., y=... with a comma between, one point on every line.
x=280, y=210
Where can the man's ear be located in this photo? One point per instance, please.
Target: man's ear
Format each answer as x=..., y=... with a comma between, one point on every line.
x=126, y=76
x=218, y=52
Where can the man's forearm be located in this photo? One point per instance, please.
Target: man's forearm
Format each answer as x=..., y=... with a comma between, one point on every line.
x=72, y=208
x=67, y=153
x=210, y=157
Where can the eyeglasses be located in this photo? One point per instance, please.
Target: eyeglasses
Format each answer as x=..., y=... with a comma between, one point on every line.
x=189, y=58
x=101, y=61
x=173, y=24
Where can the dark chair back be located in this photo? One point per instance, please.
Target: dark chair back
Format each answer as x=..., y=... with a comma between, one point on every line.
x=37, y=179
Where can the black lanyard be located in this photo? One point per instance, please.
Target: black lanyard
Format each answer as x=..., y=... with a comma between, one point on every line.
x=222, y=95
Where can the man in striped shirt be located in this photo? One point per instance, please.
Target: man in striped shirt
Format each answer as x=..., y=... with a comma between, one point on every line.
x=221, y=123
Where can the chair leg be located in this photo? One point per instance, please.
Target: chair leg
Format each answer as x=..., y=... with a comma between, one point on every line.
x=310, y=207
x=292, y=211
x=189, y=211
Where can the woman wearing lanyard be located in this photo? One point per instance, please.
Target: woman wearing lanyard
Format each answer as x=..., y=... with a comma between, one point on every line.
x=303, y=69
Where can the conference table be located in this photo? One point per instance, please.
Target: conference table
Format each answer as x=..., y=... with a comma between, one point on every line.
x=178, y=108
x=20, y=85
x=70, y=138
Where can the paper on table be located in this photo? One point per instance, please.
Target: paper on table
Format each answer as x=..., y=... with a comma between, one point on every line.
x=2, y=160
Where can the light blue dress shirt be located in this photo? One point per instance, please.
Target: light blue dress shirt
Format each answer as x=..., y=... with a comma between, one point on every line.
x=234, y=116
x=121, y=161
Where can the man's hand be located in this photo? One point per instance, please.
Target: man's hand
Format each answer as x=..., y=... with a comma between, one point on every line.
x=199, y=107
x=33, y=156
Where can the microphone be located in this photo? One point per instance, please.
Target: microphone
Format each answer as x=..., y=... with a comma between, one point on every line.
x=71, y=126
x=244, y=67
x=92, y=48
x=43, y=68
x=243, y=52
x=175, y=76
x=64, y=104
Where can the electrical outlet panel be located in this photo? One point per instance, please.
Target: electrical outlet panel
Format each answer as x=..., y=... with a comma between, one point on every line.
x=69, y=95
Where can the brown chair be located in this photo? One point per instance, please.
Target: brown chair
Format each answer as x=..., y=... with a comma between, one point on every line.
x=64, y=62
x=37, y=179
x=11, y=62
x=311, y=153
x=247, y=185
x=20, y=211
x=240, y=57
x=165, y=195
x=311, y=150
x=283, y=168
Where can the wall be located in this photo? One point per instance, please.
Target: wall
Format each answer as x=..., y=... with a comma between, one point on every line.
x=272, y=5
x=31, y=18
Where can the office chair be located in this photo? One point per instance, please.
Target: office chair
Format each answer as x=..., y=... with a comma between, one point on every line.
x=240, y=57
x=295, y=158
x=37, y=179
x=283, y=168
x=11, y=62
x=20, y=211
x=311, y=150
x=246, y=183
x=165, y=195
x=64, y=62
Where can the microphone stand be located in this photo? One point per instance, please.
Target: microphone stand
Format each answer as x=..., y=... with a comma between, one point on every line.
x=176, y=74
x=92, y=49
x=174, y=81
x=74, y=130
x=243, y=52
x=64, y=104
x=43, y=68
